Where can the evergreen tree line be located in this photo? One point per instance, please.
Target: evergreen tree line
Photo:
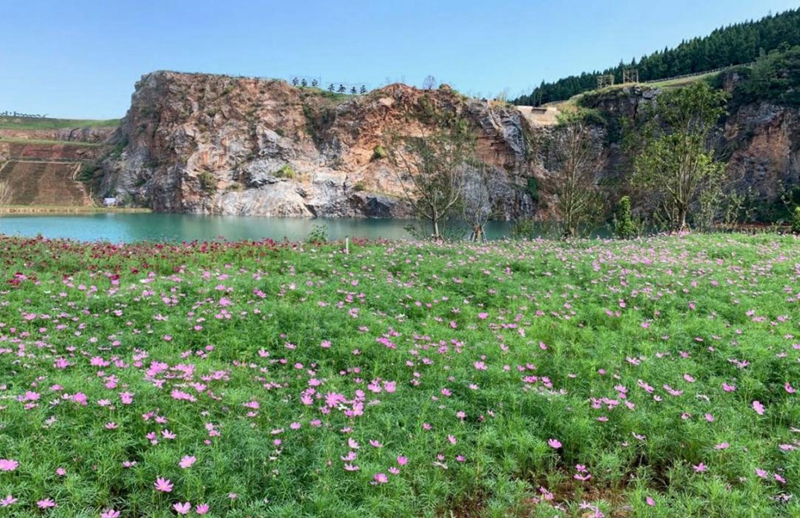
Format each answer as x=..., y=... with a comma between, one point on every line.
x=737, y=44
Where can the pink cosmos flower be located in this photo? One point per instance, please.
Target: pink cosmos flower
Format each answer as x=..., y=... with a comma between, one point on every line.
x=110, y=513
x=381, y=478
x=8, y=465
x=187, y=461
x=554, y=443
x=61, y=472
x=728, y=388
x=761, y=473
x=8, y=500
x=758, y=407
x=201, y=508
x=700, y=468
x=183, y=508
x=46, y=503
x=451, y=439
x=402, y=460
x=650, y=501
x=722, y=446
x=163, y=484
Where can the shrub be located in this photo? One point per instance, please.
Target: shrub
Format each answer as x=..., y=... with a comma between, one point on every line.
x=378, y=153
x=318, y=234
x=796, y=220
x=359, y=186
x=285, y=171
x=623, y=222
x=207, y=182
x=523, y=229
x=87, y=172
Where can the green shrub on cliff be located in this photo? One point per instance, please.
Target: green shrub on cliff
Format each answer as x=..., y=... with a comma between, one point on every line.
x=207, y=182
x=378, y=153
x=285, y=171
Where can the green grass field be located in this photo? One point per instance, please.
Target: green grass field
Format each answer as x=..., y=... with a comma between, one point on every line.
x=650, y=378
x=28, y=123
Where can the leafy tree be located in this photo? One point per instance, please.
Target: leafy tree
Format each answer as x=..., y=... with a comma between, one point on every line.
x=429, y=83
x=295, y=81
x=353, y=90
x=676, y=159
x=304, y=83
x=363, y=90
x=331, y=88
x=342, y=89
x=314, y=83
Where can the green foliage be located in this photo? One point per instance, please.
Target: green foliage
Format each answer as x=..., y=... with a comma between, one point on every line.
x=318, y=234
x=379, y=153
x=525, y=228
x=207, y=182
x=775, y=77
x=732, y=45
x=676, y=161
x=359, y=186
x=87, y=172
x=533, y=188
x=624, y=227
x=285, y=171
x=796, y=220
x=470, y=376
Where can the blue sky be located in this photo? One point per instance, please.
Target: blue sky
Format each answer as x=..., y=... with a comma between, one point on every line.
x=81, y=58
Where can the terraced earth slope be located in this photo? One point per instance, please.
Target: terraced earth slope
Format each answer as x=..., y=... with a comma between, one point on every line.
x=41, y=164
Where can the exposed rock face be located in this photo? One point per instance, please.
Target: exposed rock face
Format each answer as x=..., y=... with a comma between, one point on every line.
x=214, y=144
x=765, y=140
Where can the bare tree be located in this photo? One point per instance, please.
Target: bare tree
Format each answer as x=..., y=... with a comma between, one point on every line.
x=431, y=170
x=429, y=83
x=574, y=160
x=481, y=184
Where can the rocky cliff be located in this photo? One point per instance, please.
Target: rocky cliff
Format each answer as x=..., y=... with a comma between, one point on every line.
x=214, y=144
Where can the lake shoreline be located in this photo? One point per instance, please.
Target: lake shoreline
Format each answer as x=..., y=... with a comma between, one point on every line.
x=58, y=210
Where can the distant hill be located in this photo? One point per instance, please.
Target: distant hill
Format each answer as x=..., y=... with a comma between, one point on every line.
x=727, y=46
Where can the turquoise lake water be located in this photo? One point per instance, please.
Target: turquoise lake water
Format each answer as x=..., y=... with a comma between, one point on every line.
x=118, y=228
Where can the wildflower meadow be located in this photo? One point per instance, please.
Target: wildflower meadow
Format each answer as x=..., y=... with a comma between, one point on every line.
x=656, y=377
